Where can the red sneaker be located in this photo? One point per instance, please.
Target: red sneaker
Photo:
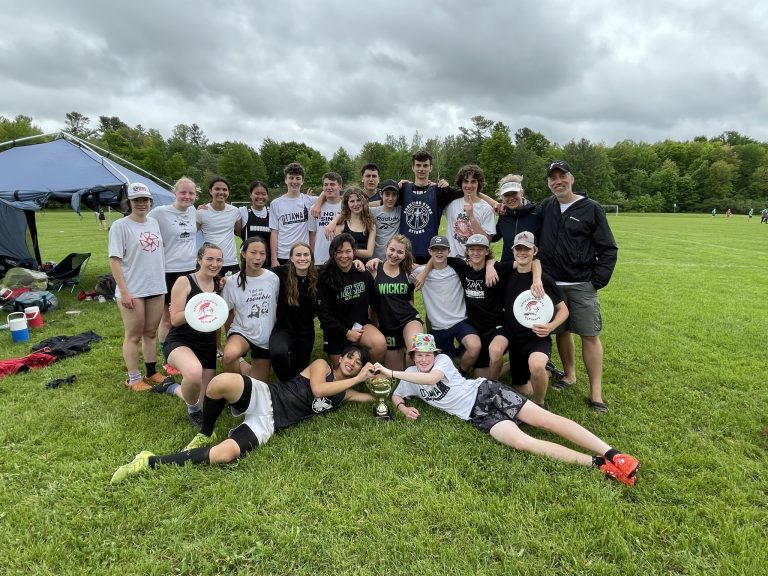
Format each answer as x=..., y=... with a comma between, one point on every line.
x=627, y=465
x=170, y=370
x=610, y=470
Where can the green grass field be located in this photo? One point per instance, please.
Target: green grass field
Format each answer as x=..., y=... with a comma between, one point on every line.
x=685, y=371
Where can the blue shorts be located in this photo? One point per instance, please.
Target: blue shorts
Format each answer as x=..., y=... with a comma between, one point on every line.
x=445, y=338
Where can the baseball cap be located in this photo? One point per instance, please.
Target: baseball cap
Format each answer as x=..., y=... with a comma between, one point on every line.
x=439, y=241
x=478, y=240
x=389, y=185
x=525, y=239
x=423, y=343
x=558, y=165
x=138, y=190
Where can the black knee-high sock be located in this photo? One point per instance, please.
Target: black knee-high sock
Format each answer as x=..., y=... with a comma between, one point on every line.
x=195, y=456
x=151, y=368
x=212, y=409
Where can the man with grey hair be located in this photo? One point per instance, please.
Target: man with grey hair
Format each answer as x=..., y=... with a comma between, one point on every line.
x=578, y=250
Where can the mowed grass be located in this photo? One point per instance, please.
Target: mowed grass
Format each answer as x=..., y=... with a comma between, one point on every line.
x=685, y=330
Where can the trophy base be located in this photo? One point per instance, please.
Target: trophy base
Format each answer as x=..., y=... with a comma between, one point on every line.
x=381, y=415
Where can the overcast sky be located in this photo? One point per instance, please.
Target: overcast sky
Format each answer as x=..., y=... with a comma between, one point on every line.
x=336, y=73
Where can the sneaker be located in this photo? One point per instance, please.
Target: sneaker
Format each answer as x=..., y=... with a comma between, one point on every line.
x=138, y=464
x=170, y=370
x=195, y=418
x=554, y=370
x=138, y=386
x=610, y=470
x=627, y=465
x=162, y=388
x=200, y=440
x=156, y=378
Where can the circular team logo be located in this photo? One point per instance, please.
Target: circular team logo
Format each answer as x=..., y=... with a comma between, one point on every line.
x=417, y=215
x=529, y=310
x=321, y=405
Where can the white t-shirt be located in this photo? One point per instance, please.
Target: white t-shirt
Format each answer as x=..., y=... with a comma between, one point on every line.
x=218, y=227
x=290, y=217
x=254, y=307
x=387, y=225
x=139, y=245
x=458, y=227
x=178, y=229
x=443, y=297
x=453, y=394
x=318, y=225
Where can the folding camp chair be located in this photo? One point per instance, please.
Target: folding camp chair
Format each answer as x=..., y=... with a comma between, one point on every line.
x=68, y=271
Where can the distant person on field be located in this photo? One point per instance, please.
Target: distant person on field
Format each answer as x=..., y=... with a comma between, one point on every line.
x=750, y=214
x=289, y=216
x=764, y=216
x=138, y=266
x=266, y=409
x=578, y=250
x=728, y=213
x=496, y=409
x=101, y=218
x=714, y=212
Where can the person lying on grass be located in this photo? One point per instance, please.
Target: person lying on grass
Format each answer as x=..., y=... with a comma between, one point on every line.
x=494, y=408
x=267, y=408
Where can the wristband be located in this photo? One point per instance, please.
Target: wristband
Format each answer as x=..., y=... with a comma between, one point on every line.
x=393, y=373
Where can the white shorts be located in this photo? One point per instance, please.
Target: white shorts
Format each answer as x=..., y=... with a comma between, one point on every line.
x=258, y=415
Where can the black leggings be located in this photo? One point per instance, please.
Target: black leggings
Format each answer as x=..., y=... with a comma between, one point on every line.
x=290, y=353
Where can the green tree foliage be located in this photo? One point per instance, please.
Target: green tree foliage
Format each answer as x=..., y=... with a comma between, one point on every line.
x=77, y=125
x=591, y=168
x=343, y=164
x=20, y=127
x=241, y=165
x=496, y=156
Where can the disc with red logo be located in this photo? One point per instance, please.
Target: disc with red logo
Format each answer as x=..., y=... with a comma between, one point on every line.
x=530, y=310
x=206, y=312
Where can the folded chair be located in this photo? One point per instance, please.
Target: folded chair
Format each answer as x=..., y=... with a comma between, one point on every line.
x=68, y=271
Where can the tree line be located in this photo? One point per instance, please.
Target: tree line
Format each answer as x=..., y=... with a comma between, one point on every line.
x=725, y=171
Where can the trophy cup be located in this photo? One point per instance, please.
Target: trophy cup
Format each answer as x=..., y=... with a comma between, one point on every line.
x=380, y=387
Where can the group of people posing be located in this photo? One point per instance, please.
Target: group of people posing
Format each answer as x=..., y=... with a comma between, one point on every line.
x=353, y=260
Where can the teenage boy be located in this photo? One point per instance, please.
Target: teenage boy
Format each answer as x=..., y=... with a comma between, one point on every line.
x=423, y=204
x=468, y=215
x=370, y=177
x=529, y=348
x=318, y=239
x=387, y=217
x=578, y=249
x=444, y=303
x=289, y=215
x=255, y=218
x=497, y=410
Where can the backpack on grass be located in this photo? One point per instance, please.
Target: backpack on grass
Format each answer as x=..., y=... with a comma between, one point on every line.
x=106, y=286
x=40, y=298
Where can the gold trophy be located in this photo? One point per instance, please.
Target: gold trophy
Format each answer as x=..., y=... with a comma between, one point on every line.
x=380, y=387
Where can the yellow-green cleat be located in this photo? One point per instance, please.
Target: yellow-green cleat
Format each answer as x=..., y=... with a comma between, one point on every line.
x=200, y=440
x=138, y=464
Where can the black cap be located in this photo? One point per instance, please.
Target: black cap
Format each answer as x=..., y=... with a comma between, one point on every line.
x=440, y=241
x=558, y=165
x=389, y=185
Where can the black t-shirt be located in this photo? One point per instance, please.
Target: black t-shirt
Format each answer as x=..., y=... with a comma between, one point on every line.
x=516, y=283
x=484, y=303
x=293, y=401
x=340, y=310
x=184, y=333
x=394, y=297
x=299, y=320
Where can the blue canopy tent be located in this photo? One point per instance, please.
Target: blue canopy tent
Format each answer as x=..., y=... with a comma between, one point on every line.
x=66, y=169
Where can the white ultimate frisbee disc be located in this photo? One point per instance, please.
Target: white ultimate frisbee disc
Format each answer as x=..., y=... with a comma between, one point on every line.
x=530, y=310
x=206, y=312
